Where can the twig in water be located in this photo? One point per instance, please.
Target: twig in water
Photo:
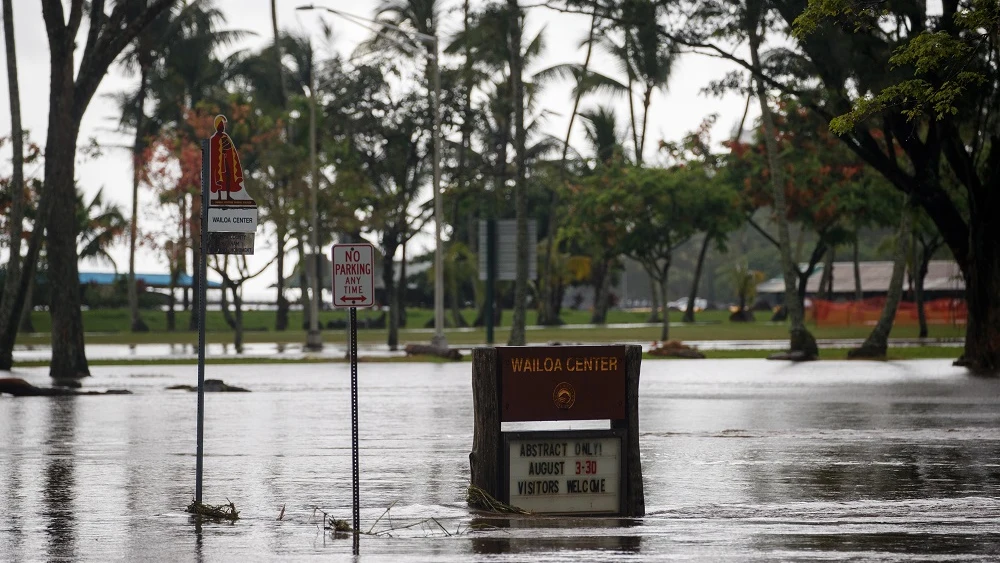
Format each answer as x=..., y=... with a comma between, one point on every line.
x=377, y=520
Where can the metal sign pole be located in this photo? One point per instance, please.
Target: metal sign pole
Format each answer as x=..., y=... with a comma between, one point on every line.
x=202, y=291
x=354, y=423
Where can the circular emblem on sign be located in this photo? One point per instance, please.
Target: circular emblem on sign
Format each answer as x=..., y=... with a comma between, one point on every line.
x=564, y=396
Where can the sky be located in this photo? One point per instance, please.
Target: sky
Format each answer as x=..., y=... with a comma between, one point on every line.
x=673, y=113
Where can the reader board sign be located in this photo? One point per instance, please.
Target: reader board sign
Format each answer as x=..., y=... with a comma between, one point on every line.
x=353, y=275
x=562, y=383
x=565, y=472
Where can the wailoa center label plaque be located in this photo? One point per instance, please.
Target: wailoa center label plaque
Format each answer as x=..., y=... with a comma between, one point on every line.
x=562, y=383
x=564, y=472
x=232, y=213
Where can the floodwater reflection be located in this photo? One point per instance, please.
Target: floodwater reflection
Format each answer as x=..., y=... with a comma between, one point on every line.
x=742, y=460
x=60, y=478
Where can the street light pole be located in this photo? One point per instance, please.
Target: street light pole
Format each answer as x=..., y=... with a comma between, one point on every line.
x=314, y=339
x=439, y=339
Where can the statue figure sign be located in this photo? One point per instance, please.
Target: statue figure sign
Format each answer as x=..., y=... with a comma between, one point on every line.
x=232, y=213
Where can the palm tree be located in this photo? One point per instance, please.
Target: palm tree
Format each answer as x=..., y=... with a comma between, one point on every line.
x=99, y=225
x=643, y=56
x=607, y=146
x=586, y=81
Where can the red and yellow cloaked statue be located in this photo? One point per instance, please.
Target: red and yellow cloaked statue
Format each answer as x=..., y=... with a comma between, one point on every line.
x=226, y=173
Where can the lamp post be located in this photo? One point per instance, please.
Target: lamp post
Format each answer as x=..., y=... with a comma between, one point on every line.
x=439, y=339
x=314, y=339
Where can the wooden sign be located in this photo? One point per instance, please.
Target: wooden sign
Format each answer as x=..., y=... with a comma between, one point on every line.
x=562, y=383
x=564, y=471
x=232, y=213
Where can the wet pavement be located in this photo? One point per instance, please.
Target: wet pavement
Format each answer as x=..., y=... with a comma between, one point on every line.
x=742, y=460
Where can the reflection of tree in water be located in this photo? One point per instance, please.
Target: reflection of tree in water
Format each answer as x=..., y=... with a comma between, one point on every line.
x=60, y=482
x=891, y=452
x=12, y=433
x=872, y=461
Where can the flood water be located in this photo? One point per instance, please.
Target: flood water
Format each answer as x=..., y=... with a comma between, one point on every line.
x=742, y=460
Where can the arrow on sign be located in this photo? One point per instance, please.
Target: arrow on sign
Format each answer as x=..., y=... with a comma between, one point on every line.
x=353, y=298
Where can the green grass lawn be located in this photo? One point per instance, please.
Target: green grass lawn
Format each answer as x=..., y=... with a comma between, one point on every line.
x=110, y=326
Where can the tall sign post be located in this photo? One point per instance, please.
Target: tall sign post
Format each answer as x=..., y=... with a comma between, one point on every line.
x=228, y=224
x=353, y=287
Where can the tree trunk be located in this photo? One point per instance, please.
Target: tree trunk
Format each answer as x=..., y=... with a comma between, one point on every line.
x=281, y=320
x=654, y=299
x=602, y=297
x=224, y=304
x=918, y=288
x=389, y=281
x=877, y=343
x=10, y=305
x=194, y=222
x=27, y=326
x=172, y=303
x=826, y=280
x=665, y=330
x=859, y=294
x=982, y=283
x=517, y=336
x=68, y=358
x=137, y=324
x=68, y=100
x=801, y=340
x=693, y=296
x=647, y=98
x=304, y=283
x=238, y=321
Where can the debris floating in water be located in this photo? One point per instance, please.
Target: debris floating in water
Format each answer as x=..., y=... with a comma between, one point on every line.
x=220, y=512
x=478, y=498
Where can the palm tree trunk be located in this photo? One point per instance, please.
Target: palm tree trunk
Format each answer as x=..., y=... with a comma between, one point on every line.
x=10, y=309
x=549, y=304
x=877, y=343
x=281, y=320
x=801, y=340
x=647, y=98
x=517, y=336
x=195, y=229
x=137, y=324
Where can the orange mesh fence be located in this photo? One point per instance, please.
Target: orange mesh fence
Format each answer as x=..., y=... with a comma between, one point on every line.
x=868, y=311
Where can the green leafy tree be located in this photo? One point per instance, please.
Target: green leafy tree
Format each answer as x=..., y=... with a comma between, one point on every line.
x=930, y=84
